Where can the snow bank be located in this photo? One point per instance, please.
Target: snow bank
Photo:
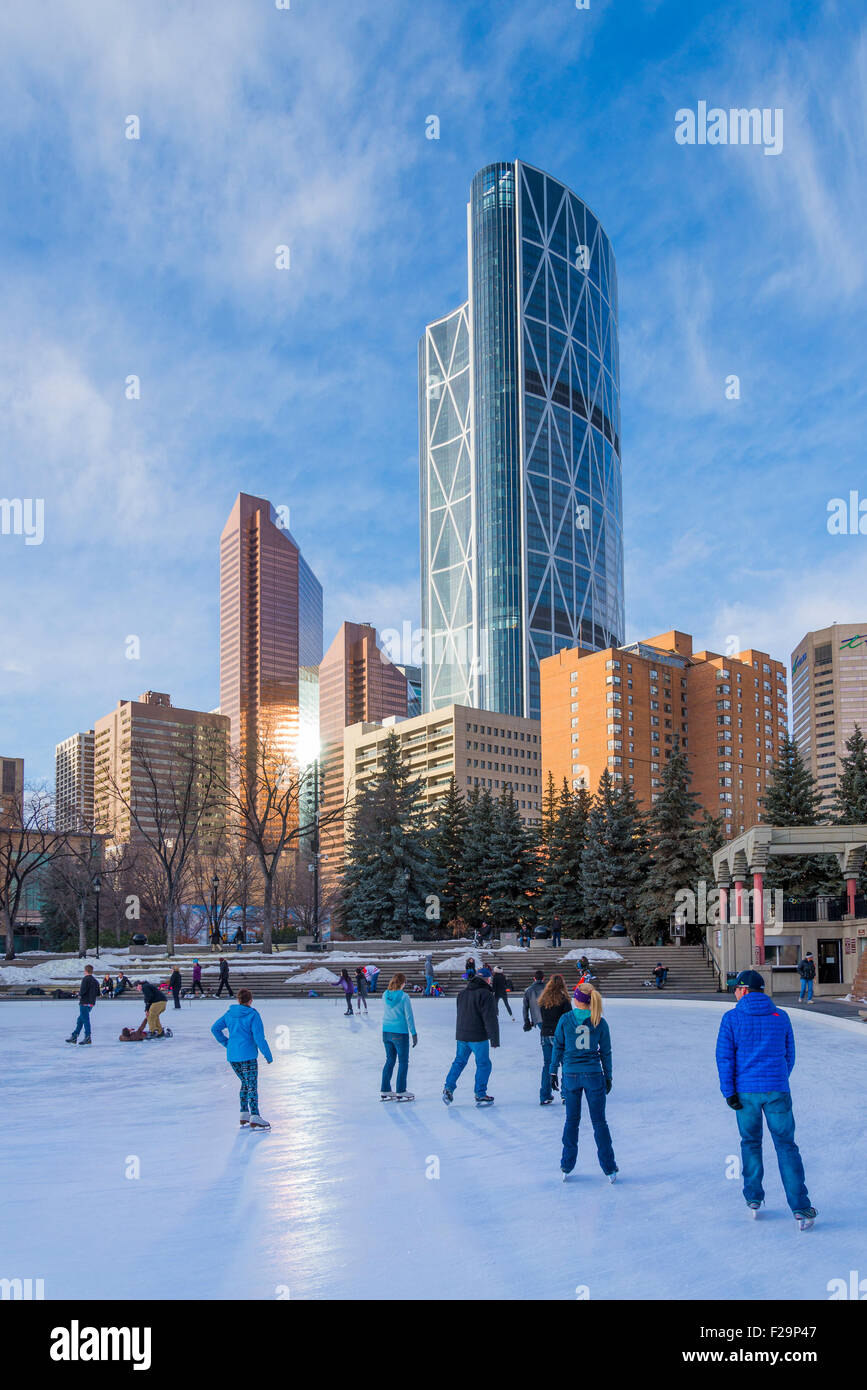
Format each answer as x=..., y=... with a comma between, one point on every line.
x=593, y=953
x=319, y=976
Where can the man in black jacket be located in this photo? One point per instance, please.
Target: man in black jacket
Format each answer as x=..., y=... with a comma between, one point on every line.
x=155, y=1003
x=88, y=993
x=477, y=1030
x=175, y=986
x=807, y=972
x=224, y=978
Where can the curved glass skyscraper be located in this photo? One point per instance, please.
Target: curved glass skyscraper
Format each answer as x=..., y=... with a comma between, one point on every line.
x=519, y=409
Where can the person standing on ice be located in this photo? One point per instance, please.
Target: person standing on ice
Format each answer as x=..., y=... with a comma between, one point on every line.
x=197, y=977
x=155, y=1004
x=361, y=988
x=477, y=1029
x=532, y=1017
x=552, y=1004
x=175, y=983
x=582, y=1046
x=224, y=979
x=755, y=1054
x=88, y=993
x=347, y=986
x=398, y=1025
x=428, y=975
x=498, y=984
x=241, y=1032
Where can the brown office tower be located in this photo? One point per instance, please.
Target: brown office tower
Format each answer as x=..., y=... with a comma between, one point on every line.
x=11, y=791
x=357, y=685
x=270, y=638
x=623, y=708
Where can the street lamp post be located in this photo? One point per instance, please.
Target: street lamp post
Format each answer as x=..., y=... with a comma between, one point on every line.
x=215, y=885
x=406, y=878
x=97, y=885
x=316, y=851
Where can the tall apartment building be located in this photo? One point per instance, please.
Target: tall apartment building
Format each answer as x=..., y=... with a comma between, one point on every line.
x=519, y=429
x=357, y=684
x=73, y=782
x=829, y=697
x=11, y=790
x=477, y=747
x=142, y=755
x=623, y=708
x=270, y=637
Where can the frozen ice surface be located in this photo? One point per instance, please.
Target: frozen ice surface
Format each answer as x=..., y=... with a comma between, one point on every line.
x=340, y=1200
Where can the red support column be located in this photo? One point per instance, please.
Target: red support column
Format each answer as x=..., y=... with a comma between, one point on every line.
x=723, y=905
x=759, y=917
x=851, y=885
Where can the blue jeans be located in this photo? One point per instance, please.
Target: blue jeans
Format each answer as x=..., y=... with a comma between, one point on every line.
x=806, y=990
x=396, y=1050
x=466, y=1050
x=83, y=1020
x=428, y=985
x=556, y=938
x=593, y=1086
x=777, y=1109
x=545, y=1092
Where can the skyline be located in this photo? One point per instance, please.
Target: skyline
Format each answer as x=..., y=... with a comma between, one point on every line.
x=155, y=258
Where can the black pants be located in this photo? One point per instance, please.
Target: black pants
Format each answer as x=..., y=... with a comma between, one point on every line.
x=197, y=985
x=556, y=939
x=176, y=995
x=224, y=981
x=503, y=998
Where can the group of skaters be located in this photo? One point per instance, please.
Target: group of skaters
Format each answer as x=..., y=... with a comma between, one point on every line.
x=755, y=1055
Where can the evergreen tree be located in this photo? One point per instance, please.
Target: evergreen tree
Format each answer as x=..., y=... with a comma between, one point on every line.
x=564, y=834
x=511, y=866
x=850, y=802
x=674, y=848
x=614, y=859
x=390, y=869
x=792, y=798
x=448, y=847
x=476, y=858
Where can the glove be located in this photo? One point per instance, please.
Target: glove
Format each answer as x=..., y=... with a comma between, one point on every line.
x=555, y=1084
x=528, y=1027
x=734, y=1101
x=415, y=1039
x=608, y=1084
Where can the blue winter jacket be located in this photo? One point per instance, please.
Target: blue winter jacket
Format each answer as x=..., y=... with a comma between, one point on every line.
x=581, y=1048
x=755, y=1048
x=246, y=1036
x=397, y=1017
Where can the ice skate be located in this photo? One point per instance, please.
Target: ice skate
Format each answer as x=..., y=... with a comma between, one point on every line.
x=549, y=1101
x=72, y=1038
x=448, y=1096
x=256, y=1122
x=565, y=1174
x=806, y=1218
x=754, y=1208
x=612, y=1177
x=386, y=1095
x=404, y=1095
x=245, y=1118
x=85, y=1042
x=484, y=1100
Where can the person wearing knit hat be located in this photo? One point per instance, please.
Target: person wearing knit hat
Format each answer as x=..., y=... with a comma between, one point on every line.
x=755, y=1054
x=582, y=1046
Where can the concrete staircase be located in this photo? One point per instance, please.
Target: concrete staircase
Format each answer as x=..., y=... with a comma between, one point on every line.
x=689, y=971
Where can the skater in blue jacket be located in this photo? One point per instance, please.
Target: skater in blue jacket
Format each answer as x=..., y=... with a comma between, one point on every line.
x=755, y=1054
x=398, y=1025
x=241, y=1032
x=582, y=1045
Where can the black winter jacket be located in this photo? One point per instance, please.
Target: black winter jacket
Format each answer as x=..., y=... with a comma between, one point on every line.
x=807, y=970
x=150, y=994
x=477, y=1013
x=88, y=990
x=551, y=1015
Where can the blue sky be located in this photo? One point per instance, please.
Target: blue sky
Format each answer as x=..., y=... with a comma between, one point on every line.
x=306, y=127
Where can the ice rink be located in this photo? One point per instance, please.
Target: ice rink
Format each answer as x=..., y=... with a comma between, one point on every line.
x=125, y=1175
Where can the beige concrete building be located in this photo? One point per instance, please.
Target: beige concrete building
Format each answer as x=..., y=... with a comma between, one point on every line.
x=829, y=697
x=477, y=747
x=142, y=755
x=73, y=782
x=11, y=790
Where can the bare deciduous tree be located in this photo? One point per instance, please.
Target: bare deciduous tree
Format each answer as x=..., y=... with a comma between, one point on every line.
x=28, y=844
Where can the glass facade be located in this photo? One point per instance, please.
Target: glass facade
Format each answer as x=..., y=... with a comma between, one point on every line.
x=540, y=527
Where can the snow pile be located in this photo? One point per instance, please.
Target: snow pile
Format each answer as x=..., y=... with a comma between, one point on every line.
x=593, y=953
x=319, y=976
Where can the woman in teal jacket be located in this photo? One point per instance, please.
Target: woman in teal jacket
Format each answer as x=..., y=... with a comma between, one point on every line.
x=398, y=1025
x=241, y=1032
x=582, y=1044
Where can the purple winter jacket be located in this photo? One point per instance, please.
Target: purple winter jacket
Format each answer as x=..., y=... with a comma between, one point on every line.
x=197, y=974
